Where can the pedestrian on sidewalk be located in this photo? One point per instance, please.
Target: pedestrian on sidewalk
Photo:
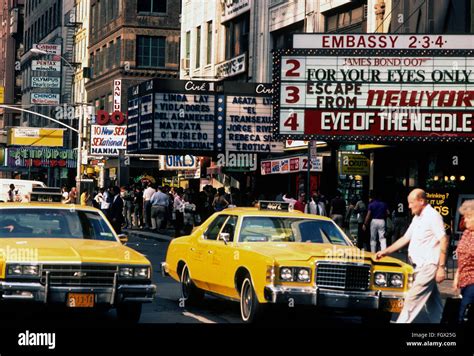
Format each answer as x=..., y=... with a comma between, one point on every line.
x=376, y=215
x=159, y=203
x=138, y=207
x=363, y=240
x=127, y=196
x=189, y=215
x=338, y=209
x=116, y=210
x=427, y=250
x=147, y=194
x=178, y=208
x=220, y=202
x=464, y=277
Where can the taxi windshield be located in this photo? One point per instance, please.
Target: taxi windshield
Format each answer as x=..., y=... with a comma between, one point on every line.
x=53, y=223
x=283, y=229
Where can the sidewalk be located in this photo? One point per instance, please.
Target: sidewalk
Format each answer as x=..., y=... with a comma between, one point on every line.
x=445, y=288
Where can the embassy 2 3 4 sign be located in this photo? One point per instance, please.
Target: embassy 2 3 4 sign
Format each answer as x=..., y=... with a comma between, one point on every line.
x=374, y=95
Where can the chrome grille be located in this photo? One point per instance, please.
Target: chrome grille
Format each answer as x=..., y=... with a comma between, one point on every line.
x=79, y=275
x=343, y=276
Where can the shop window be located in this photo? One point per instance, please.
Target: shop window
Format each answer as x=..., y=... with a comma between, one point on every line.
x=283, y=38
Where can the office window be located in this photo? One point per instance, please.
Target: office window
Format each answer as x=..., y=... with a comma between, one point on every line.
x=111, y=55
x=237, y=36
x=209, y=42
x=91, y=63
x=188, y=45
x=198, y=47
x=158, y=6
x=151, y=51
x=118, y=48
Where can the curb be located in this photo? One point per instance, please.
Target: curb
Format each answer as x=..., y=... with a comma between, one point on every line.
x=151, y=235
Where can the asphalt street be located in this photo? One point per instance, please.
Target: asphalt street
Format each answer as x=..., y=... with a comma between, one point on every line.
x=166, y=308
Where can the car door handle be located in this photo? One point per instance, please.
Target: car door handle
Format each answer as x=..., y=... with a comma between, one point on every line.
x=210, y=252
x=192, y=249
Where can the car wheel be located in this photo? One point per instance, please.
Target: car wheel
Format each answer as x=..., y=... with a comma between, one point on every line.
x=250, y=308
x=129, y=312
x=191, y=294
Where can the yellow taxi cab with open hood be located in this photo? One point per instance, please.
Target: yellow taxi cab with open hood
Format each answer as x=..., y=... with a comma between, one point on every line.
x=270, y=255
x=54, y=253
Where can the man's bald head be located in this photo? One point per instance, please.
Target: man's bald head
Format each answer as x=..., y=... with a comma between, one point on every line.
x=418, y=194
x=417, y=201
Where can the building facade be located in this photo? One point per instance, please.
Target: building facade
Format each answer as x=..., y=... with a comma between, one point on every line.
x=129, y=42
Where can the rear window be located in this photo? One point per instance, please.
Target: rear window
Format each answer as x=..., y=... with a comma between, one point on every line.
x=54, y=223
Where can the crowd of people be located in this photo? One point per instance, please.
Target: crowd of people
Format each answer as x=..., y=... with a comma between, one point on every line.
x=155, y=208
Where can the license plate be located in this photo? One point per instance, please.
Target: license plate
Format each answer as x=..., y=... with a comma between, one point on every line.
x=80, y=300
x=394, y=305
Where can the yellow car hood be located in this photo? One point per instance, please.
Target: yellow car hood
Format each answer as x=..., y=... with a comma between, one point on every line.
x=295, y=251
x=68, y=250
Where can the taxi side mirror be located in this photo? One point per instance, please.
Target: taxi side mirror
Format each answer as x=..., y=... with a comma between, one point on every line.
x=123, y=238
x=224, y=236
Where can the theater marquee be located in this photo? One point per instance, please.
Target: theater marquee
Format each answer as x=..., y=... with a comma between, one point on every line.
x=374, y=95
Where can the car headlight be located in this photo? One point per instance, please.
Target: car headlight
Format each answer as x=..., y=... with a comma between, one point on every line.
x=286, y=274
x=304, y=275
x=396, y=280
x=15, y=270
x=23, y=270
x=141, y=272
x=380, y=279
x=126, y=272
x=134, y=272
x=30, y=270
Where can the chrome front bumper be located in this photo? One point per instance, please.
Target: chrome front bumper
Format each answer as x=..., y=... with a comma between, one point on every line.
x=330, y=298
x=37, y=292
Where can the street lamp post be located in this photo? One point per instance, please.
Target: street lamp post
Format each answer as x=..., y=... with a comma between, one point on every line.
x=80, y=127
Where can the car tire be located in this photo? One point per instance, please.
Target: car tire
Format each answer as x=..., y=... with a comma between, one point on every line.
x=129, y=312
x=191, y=294
x=250, y=308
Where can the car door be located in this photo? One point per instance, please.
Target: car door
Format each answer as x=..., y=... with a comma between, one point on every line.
x=221, y=259
x=199, y=267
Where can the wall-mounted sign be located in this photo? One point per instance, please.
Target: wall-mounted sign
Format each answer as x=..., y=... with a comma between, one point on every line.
x=374, y=96
x=108, y=140
x=49, y=48
x=179, y=162
x=2, y=94
x=234, y=8
x=353, y=163
x=46, y=65
x=290, y=165
x=45, y=98
x=248, y=118
x=41, y=157
x=234, y=66
x=381, y=41
x=31, y=136
x=46, y=82
x=117, y=95
x=115, y=118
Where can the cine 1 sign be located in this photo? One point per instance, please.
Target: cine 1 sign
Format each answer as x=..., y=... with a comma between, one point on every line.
x=366, y=96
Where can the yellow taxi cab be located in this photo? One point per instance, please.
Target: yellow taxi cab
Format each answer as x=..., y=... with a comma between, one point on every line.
x=269, y=255
x=54, y=253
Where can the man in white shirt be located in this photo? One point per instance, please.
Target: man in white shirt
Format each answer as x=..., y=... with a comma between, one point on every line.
x=428, y=245
x=147, y=194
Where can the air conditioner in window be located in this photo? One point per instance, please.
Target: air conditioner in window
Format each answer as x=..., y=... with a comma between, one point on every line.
x=184, y=63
